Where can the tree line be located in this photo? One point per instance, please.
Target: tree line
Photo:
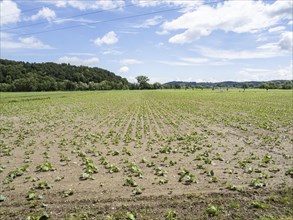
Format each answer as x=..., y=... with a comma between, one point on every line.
x=274, y=84
x=24, y=76
x=16, y=76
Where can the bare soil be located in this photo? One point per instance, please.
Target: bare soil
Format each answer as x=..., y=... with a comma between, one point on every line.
x=232, y=164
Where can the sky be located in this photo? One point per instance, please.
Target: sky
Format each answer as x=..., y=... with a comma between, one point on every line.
x=166, y=40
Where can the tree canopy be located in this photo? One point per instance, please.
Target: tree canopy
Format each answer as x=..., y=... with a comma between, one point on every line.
x=24, y=76
x=142, y=81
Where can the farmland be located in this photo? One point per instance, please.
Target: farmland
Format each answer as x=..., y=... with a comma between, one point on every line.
x=147, y=154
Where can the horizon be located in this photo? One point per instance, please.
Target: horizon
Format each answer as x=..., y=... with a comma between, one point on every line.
x=190, y=41
x=173, y=80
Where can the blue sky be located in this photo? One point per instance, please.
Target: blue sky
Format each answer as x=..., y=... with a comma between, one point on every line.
x=166, y=40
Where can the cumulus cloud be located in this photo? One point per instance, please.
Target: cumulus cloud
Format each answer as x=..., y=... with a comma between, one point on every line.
x=44, y=13
x=231, y=16
x=130, y=61
x=124, y=69
x=85, y=5
x=9, y=12
x=7, y=42
x=32, y=42
x=109, y=38
x=93, y=61
x=284, y=44
x=286, y=41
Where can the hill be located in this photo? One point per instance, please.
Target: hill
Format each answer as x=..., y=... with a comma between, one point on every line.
x=273, y=84
x=24, y=76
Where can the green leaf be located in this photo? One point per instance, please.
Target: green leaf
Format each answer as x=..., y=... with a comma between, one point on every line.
x=2, y=198
x=130, y=216
x=213, y=210
x=31, y=195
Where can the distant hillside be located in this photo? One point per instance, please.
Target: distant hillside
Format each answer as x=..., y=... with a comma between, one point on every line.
x=24, y=76
x=274, y=84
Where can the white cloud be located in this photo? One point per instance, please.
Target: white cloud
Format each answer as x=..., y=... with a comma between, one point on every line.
x=262, y=38
x=286, y=41
x=93, y=61
x=269, y=46
x=132, y=79
x=109, y=38
x=248, y=74
x=231, y=16
x=280, y=8
x=112, y=52
x=108, y=4
x=194, y=60
x=130, y=62
x=284, y=44
x=276, y=29
x=81, y=20
x=260, y=53
x=85, y=5
x=22, y=43
x=189, y=36
x=163, y=32
x=5, y=36
x=128, y=32
x=175, y=63
x=143, y=3
x=186, y=4
x=59, y=3
x=124, y=69
x=150, y=22
x=44, y=13
x=34, y=43
x=185, y=61
x=9, y=12
x=81, y=54
x=286, y=72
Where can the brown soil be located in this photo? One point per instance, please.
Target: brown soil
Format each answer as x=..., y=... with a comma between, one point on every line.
x=157, y=139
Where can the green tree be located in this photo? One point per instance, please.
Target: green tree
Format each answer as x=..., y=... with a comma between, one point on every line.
x=24, y=76
x=157, y=85
x=244, y=86
x=200, y=87
x=277, y=85
x=177, y=86
x=287, y=85
x=25, y=84
x=264, y=86
x=5, y=87
x=142, y=81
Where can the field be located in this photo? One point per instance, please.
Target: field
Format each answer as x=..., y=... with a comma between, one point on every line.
x=147, y=155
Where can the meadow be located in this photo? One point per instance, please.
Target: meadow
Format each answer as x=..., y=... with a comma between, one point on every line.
x=164, y=154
